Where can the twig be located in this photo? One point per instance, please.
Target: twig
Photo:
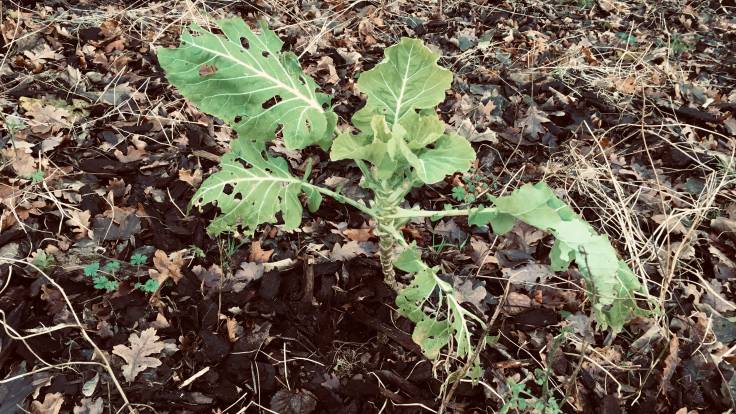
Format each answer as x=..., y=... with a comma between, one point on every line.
x=476, y=352
x=105, y=363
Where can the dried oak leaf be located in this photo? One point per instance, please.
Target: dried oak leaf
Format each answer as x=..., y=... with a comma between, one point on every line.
x=465, y=292
x=351, y=250
x=52, y=403
x=79, y=221
x=45, y=118
x=257, y=254
x=137, y=355
x=360, y=235
x=531, y=123
x=167, y=266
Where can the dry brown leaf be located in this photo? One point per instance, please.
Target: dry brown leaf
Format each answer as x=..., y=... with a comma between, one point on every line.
x=531, y=123
x=79, y=222
x=516, y=303
x=670, y=364
x=51, y=404
x=23, y=164
x=45, y=118
x=193, y=178
x=257, y=254
x=137, y=355
x=167, y=266
x=89, y=406
x=350, y=250
x=234, y=330
x=358, y=234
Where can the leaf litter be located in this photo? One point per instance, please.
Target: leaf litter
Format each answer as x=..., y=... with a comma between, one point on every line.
x=104, y=158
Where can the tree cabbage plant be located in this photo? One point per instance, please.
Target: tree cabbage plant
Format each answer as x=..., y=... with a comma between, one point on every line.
x=244, y=78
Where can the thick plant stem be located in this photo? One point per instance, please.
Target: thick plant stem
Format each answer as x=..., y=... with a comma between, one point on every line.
x=386, y=245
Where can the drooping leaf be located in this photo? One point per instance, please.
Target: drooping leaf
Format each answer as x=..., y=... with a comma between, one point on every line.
x=407, y=79
x=251, y=189
x=243, y=74
x=424, y=301
x=613, y=288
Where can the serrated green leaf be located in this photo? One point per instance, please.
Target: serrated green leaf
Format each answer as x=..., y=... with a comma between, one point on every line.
x=408, y=78
x=226, y=79
x=138, y=259
x=251, y=189
x=91, y=269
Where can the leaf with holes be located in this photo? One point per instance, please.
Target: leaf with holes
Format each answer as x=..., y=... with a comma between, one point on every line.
x=251, y=189
x=245, y=79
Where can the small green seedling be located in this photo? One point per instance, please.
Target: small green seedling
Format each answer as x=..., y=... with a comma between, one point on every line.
x=109, y=276
x=398, y=142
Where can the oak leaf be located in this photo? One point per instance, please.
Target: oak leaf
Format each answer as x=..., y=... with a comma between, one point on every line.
x=137, y=356
x=167, y=266
x=51, y=404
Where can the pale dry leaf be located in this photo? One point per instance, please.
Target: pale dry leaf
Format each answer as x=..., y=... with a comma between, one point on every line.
x=138, y=356
x=465, y=292
x=516, y=303
x=45, y=118
x=480, y=252
x=449, y=230
x=133, y=154
x=360, y=235
x=247, y=273
x=90, y=406
x=193, y=177
x=528, y=275
x=531, y=123
x=209, y=278
x=167, y=266
x=79, y=222
x=23, y=164
x=351, y=250
x=51, y=404
x=257, y=254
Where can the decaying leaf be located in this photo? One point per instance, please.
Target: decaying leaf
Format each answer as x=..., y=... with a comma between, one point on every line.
x=257, y=254
x=90, y=406
x=671, y=363
x=531, y=123
x=465, y=292
x=290, y=402
x=51, y=404
x=351, y=250
x=138, y=356
x=167, y=266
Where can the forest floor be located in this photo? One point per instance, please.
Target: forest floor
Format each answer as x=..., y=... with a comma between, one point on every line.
x=626, y=108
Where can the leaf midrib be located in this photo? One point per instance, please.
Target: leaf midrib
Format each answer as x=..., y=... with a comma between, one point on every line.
x=311, y=102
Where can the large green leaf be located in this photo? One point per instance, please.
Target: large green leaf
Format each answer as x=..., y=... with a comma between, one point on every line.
x=408, y=78
x=613, y=287
x=251, y=189
x=243, y=74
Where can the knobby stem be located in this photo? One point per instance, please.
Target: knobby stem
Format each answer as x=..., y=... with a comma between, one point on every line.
x=409, y=213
